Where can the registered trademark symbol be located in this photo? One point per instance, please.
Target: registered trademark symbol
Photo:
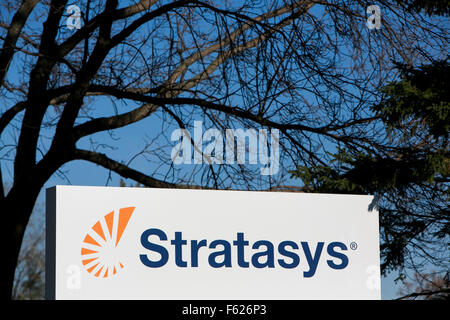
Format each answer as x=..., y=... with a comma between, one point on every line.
x=353, y=245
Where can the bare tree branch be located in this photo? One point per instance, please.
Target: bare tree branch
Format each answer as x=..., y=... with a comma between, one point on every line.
x=123, y=170
x=424, y=293
x=14, y=30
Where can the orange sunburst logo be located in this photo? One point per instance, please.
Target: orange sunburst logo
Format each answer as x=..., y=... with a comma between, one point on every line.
x=100, y=243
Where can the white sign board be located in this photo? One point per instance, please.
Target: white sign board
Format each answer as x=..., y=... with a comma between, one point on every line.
x=142, y=243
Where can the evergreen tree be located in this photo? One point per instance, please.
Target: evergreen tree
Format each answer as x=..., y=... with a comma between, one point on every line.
x=409, y=178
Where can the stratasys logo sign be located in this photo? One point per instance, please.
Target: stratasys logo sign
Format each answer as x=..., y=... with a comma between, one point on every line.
x=99, y=254
x=208, y=244
x=98, y=251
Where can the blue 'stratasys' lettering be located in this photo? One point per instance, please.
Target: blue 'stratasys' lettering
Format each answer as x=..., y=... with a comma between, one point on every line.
x=178, y=242
x=312, y=261
x=334, y=254
x=154, y=247
x=226, y=253
x=263, y=252
x=282, y=250
x=240, y=243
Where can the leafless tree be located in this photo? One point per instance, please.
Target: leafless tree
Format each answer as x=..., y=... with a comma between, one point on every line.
x=307, y=68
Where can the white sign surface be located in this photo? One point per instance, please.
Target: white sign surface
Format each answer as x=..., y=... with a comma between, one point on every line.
x=142, y=243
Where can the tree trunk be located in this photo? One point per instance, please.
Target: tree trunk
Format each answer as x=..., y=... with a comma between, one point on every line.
x=17, y=207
